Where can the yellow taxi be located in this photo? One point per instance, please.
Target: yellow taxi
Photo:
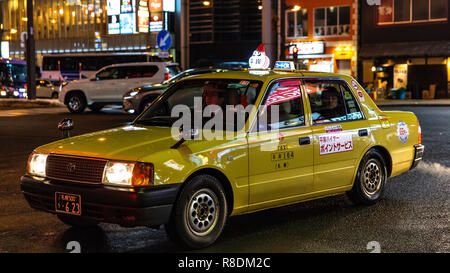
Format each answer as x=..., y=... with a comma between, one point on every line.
x=223, y=144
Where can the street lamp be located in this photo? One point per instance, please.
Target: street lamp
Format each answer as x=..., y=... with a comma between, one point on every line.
x=296, y=8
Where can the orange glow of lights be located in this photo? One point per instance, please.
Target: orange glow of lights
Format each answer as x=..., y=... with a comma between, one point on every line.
x=142, y=175
x=419, y=131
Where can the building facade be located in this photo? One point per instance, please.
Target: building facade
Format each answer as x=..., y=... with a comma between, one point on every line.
x=406, y=43
x=223, y=30
x=88, y=26
x=324, y=32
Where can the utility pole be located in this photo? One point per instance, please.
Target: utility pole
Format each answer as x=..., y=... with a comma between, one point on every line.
x=184, y=34
x=30, y=53
x=268, y=37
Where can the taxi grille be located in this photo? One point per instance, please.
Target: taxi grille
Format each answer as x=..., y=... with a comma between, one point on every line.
x=75, y=169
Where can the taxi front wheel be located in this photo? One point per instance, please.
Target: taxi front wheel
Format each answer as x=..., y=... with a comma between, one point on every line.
x=200, y=213
x=370, y=179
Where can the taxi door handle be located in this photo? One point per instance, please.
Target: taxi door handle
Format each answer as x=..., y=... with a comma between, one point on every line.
x=363, y=132
x=304, y=140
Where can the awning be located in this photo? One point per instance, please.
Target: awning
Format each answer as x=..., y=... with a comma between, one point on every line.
x=410, y=49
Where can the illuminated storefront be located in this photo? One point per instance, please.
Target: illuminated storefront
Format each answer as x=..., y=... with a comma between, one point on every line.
x=73, y=26
x=406, y=46
x=324, y=33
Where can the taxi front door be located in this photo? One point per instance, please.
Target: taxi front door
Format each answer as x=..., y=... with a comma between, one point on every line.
x=280, y=153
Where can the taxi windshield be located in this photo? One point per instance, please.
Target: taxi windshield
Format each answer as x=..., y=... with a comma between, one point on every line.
x=205, y=97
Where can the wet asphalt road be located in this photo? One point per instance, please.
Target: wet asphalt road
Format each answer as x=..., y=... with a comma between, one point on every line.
x=414, y=215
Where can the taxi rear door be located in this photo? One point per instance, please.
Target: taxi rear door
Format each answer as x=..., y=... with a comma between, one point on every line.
x=340, y=132
x=280, y=151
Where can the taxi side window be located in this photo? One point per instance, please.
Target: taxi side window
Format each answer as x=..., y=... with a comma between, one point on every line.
x=353, y=111
x=331, y=101
x=283, y=107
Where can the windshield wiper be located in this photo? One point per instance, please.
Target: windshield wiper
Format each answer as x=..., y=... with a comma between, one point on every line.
x=163, y=121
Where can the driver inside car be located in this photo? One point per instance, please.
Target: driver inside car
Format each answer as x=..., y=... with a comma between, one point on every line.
x=332, y=106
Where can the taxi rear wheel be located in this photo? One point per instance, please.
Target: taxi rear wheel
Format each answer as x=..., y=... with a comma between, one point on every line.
x=370, y=179
x=200, y=213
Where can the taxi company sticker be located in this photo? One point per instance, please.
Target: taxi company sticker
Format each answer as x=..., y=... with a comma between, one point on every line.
x=335, y=143
x=360, y=93
x=333, y=129
x=402, y=132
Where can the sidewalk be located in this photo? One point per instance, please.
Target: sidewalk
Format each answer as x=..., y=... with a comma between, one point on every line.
x=15, y=104
x=21, y=107
x=435, y=102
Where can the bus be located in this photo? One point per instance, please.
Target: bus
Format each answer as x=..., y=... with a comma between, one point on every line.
x=74, y=66
x=13, y=78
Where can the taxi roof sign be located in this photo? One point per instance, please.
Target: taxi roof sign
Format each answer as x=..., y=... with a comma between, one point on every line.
x=259, y=59
x=284, y=65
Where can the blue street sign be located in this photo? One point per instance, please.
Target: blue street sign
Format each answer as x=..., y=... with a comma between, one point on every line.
x=163, y=40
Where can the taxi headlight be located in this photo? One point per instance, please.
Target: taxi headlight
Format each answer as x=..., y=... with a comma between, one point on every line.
x=128, y=174
x=36, y=164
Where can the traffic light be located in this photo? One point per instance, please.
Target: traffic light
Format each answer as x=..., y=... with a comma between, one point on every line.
x=295, y=53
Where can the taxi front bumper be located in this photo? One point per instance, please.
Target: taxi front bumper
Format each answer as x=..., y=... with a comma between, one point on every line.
x=150, y=206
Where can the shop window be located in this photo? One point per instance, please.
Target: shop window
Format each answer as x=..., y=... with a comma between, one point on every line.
x=402, y=10
x=332, y=21
x=411, y=11
x=297, y=23
x=438, y=9
x=420, y=10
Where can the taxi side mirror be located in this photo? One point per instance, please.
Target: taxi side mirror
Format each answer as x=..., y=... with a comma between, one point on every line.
x=65, y=126
x=184, y=135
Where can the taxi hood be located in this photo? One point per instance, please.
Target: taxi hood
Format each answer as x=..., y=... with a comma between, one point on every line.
x=127, y=143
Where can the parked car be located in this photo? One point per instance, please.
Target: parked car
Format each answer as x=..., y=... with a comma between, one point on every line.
x=137, y=99
x=232, y=65
x=4, y=91
x=108, y=85
x=327, y=138
x=45, y=89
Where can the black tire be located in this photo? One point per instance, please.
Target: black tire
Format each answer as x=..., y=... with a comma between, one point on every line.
x=370, y=180
x=96, y=107
x=200, y=213
x=76, y=102
x=77, y=221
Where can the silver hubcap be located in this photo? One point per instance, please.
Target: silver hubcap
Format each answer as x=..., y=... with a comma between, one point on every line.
x=74, y=103
x=372, y=178
x=202, y=212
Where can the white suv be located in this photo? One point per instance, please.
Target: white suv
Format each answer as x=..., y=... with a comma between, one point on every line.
x=108, y=85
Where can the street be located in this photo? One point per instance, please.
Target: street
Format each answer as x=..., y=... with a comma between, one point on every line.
x=413, y=216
